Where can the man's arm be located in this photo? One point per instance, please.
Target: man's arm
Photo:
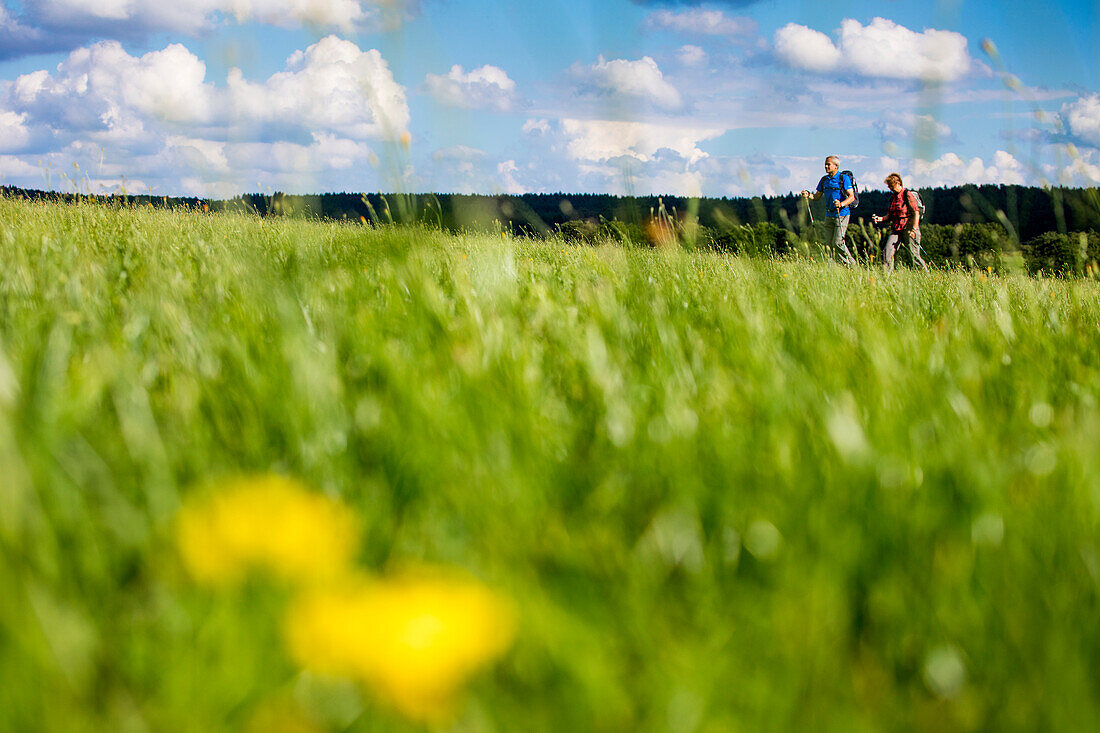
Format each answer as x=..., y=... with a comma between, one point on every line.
x=849, y=197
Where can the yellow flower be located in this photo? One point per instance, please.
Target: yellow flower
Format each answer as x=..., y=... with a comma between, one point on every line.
x=266, y=523
x=413, y=639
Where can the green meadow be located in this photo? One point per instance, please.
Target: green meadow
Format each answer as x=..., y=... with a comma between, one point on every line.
x=722, y=493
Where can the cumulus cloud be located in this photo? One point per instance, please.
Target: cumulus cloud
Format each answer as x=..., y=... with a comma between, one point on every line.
x=1081, y=118
x=14, y=134
x=601, y=140
x=508, y=176
x=101, y=95
x=951, y=170
x=623, y=82
x=701, y=22
x=880, y=49
x=1083, y=168
x=333, y=85
x=157, y=117
x=805, y=48
x=488, y=87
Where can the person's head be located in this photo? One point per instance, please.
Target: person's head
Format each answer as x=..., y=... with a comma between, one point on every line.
x=893, y=182
x=832, y=165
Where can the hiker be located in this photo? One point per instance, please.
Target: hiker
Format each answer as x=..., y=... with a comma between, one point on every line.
x=903, y=213
x=838, y=192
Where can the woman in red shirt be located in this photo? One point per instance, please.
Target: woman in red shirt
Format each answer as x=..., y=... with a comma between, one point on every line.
x=903, y=214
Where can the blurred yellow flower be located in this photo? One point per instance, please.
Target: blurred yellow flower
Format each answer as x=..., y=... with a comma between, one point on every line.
x=266, y=523
x=413, y=639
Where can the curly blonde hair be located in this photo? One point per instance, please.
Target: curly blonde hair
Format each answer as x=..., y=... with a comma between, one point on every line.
x=894, y=177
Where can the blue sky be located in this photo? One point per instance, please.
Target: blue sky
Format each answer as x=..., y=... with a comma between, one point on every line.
x=733, y=98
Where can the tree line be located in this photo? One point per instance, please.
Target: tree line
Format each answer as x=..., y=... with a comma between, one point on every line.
x=1052, y=229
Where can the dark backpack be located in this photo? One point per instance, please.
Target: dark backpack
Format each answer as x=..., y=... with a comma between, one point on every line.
x=855, y=187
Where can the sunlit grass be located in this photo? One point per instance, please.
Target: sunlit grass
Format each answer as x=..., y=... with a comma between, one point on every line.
x=723, y=493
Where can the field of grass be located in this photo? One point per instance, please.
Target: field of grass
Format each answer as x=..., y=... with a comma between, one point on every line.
x=720, y=494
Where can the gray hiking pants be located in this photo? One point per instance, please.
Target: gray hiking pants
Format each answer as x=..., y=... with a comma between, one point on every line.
x=893, y=240
x=835, y=228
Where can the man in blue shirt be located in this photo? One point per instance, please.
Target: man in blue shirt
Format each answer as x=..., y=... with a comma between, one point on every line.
x=838, y=193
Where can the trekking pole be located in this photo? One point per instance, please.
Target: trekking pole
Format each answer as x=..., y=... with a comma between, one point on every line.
x=808, y=209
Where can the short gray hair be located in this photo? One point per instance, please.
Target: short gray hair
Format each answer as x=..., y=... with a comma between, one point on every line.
x=833, y=157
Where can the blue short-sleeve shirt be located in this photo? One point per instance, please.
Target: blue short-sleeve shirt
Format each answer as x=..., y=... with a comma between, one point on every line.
x=833, y=187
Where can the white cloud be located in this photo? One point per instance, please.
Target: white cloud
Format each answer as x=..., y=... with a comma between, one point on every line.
x=14, y=134
x=951, y=170
x=881, y=49
x=1081, y=118
x=107, y=97
x=1083, y=168
x=691, y=56
x=893, y=124
x=17, y=171
x=507, y=173
x=333, y=86
x=805, y=48
x=325, y=153
x=165, y=84
x=155, y=118
x=206, y=167
x=601, y=140
x=197, y=154
x=344, y=14
x=488, y=87
x=629, y=82
x=702, y=22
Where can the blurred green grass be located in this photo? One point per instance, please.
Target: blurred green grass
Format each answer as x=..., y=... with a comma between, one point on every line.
x=726, y=493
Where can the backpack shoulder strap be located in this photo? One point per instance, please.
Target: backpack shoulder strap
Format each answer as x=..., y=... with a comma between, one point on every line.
x=910, y=203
